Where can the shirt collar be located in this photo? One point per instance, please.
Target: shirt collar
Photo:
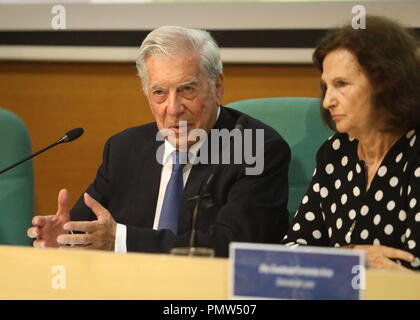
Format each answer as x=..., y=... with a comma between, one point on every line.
x=192, y=151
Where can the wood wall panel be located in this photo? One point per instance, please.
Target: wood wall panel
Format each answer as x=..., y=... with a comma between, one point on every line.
x=105, y=98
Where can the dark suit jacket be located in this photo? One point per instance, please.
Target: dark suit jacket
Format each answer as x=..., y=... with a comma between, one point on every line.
x=245, y=208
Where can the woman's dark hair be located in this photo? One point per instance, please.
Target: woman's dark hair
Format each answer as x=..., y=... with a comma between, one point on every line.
x=387, y=53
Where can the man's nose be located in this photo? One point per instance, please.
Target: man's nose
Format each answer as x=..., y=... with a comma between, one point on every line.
x=175, y=104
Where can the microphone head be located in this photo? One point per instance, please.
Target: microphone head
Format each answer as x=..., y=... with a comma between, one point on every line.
x=242, y=122
x=72, y=135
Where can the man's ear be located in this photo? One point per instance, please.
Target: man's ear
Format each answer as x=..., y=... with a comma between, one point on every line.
x=220, y=89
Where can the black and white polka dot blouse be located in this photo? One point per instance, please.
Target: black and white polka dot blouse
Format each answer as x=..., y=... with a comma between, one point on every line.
x=337, y=210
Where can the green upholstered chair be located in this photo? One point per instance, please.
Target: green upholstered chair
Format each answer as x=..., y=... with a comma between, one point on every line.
x=16, y=185
x=299, y=122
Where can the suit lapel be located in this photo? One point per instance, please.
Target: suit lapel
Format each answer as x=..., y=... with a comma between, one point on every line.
x=148, y=178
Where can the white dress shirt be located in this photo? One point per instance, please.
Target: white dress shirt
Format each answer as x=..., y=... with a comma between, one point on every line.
x=121, y=232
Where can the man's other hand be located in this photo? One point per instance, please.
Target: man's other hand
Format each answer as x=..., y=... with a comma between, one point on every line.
x=46, y=229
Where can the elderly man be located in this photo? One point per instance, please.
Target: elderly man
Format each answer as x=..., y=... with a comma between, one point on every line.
x=139, y=200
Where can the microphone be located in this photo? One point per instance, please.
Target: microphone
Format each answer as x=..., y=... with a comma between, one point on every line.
x=68, y=137
x=203, y=193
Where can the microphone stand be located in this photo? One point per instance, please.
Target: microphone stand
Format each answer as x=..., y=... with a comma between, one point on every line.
x=27, y=158
x=68, y=137
x=202, y=194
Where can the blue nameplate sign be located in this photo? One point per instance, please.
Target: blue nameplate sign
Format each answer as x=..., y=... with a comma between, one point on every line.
x=264, y=271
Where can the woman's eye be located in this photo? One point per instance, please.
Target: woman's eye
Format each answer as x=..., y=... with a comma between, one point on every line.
x=341, y=83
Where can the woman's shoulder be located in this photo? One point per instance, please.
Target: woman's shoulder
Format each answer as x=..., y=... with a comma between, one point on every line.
x=411, y=136
x=409, y=144
x=336, y=145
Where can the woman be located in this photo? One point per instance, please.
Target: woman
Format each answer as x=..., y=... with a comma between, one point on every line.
x=365, y=191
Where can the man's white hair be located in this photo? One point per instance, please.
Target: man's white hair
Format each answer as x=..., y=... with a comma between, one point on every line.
x=174, y=40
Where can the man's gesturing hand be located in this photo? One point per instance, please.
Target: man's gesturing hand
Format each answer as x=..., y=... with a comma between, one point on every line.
x=46, y=229
x=99, y=234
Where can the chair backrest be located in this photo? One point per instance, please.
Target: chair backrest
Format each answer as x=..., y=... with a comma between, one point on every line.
x=299, y=122
x=16, y=185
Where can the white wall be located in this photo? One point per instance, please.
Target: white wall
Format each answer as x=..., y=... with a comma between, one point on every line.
x=206, y=15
